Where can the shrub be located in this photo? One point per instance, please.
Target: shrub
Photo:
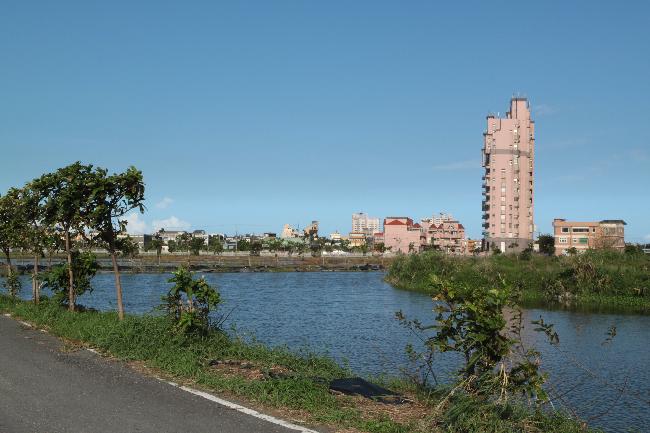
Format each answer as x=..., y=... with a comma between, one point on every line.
x=84, y=268
x=189, y=302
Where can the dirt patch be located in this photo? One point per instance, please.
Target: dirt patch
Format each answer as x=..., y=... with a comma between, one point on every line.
x=249, y=370
x=408, y=411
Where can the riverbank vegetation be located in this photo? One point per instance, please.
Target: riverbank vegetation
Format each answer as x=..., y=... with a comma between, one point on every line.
x=596, y=279
x=74, y=206
x=293, y=384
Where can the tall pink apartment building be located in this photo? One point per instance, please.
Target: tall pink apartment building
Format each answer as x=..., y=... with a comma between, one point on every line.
x=402, y=235
x=508, y=159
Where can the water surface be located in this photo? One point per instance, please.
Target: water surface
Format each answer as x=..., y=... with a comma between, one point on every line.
x=350, y=316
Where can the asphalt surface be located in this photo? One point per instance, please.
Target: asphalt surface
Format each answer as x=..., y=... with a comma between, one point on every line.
x=46, y=389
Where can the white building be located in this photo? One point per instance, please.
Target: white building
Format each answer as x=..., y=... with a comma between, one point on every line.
x=362, y=223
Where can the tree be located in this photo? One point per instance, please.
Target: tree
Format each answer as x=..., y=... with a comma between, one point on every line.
x=470, y=320
x=215, y=245
x=12, y=233
x=66, y=206
x=243, y=245
x=195, y=245
x=380, y=247
x=183, y=242
x=364, y=248
x=126, y=246
x=157, y=244
x=84, y=267
x=546, y=244
x=37, y=234
x=255, y=248
x=301, y=247
x=190, y=301
x=112, y=197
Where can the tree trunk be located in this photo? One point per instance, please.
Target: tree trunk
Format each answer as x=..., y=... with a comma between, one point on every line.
x=158, y=256
x=118, y=285
x=8, y=256
x=35, y=286
x=70, y=273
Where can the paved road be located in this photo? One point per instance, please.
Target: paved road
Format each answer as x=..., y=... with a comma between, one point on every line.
x=43, y=389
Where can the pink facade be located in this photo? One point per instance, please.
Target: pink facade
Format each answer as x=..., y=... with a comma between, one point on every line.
x=508, y=158
x=401, y=235
x=582, y=236
x=448, y=236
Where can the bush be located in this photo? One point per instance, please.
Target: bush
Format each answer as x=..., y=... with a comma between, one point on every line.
x=12, y=284
x=84, y=268
x=189, y=302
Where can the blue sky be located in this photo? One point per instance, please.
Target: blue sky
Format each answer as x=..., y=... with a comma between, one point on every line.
x=247, y=115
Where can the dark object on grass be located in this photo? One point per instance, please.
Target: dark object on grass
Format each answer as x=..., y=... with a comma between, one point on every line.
x=359, y=386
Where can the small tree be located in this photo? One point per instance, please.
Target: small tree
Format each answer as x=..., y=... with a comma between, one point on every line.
x=196, y=245
x=84, y=268
x=12, y=234
x=215, y=245
x=471, y=321
x=364, y=248
x=112, y=198
x=255, y=248
x=66, y=206
x=546, y=244
x=157, y=244
x=189, y=302
x=243, y=245
x=37, y=234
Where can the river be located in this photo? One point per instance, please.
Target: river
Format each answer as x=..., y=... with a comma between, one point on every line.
x=350, y=316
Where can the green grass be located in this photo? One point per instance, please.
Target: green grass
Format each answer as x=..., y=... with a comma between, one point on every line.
x=152, y=340
x=596, y=279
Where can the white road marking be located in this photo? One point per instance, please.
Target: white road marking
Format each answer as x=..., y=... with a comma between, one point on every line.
x=241, y=409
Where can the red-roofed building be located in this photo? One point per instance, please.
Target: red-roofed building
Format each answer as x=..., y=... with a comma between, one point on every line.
x=445, y=233
x=401, y=235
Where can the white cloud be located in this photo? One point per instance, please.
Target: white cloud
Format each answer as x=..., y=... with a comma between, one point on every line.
x=164, y=203
x=647, y=237
x=171, y=223
x=135, y=225
x=458, y=165
x=543, y=110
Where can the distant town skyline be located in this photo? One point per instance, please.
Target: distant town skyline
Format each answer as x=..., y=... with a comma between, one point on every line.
x=245, y=118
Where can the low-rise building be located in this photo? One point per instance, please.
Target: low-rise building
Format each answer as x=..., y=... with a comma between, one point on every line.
x=402, y=235
x=170, y=235
x=445, y=233
x=357, y=239
x=336, y=236
x=584, y=235
x=288, y=232
x=311, y=231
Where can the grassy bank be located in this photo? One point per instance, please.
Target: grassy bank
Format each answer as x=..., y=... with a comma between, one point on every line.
x=276, y=379
x=596, y=279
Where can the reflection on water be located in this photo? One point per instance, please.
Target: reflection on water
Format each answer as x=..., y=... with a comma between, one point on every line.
x=351, y=317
